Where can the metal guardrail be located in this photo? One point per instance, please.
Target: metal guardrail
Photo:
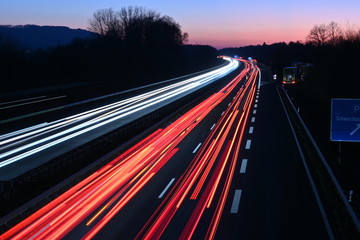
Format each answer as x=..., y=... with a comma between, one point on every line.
x=4, y=121
x=327, y=167
x=112, y=137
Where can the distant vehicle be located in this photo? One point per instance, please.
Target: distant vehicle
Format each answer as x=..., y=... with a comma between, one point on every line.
x=290, y=75
x=254, y=62
x=293, y=75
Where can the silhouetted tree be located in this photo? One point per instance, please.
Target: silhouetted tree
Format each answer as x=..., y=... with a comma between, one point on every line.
x=332, y=35
x=318, y=35
x=138, y=25
x=105, y=22
x=335, y=34
x=10, y=60
x=352, y=35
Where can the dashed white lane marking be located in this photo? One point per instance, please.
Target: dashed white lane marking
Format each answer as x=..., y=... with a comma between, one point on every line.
x=236, y=201
x=256, y=100
x=213, y=126
x=197, y=147
x=222, y=113
x=229, y=104
x=253, y=119
x=255, y=106
x=254, y=112
x=243, y=165
x=248, y=144
x=166, y=188
x=251, y=130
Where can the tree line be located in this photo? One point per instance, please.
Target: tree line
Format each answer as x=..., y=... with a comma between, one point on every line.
x=134, y=46
x=334, y=53
x=332, y=34
x=332, y=50
x=137, y=25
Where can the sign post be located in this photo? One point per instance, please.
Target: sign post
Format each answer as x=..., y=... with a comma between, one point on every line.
x=345, y=121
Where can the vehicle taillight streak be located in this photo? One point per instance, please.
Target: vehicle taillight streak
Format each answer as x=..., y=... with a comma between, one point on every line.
x=220, y=148
x=97, y=199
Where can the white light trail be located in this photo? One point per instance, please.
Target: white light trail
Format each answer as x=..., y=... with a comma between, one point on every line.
x=26, y=142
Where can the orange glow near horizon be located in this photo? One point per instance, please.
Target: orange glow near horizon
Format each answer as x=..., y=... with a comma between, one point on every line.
x=217, y=23
x=247, y=37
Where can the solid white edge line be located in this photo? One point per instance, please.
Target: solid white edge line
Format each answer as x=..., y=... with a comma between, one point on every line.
x=22, y=100
x=259, y=79
x=236, y=201
x=248, y=144
x=317, y=197
x=243, y=165
x=37, y=101
x=166, y=188
x=197, y=147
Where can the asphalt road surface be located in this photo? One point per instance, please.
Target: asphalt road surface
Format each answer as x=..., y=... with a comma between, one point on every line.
x=25, y=149
x=227, y=169
x=277, y=201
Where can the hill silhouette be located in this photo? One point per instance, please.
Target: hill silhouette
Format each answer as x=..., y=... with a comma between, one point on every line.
x=35, y=37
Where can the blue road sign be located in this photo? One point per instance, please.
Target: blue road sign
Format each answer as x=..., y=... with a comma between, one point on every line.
x=345, y=120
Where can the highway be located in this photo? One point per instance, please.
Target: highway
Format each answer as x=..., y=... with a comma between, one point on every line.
x=51, y=139
x=277, y=201
x=227, y=169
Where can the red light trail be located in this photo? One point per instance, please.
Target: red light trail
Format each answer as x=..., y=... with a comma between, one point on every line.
x=97, y=199
x=222, y=145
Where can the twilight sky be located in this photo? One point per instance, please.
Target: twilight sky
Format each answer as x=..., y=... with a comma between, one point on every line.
x=227, y=23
